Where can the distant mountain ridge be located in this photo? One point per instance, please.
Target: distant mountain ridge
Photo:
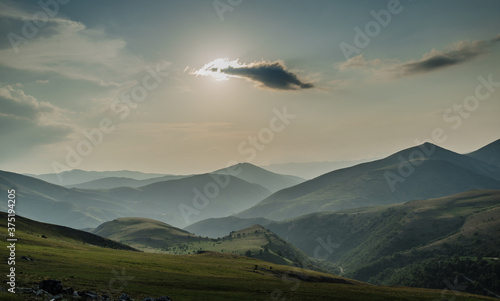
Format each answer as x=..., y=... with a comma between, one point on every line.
x=489, y=153
x=254, y=174
x=179, y=202
x=420, y=172
x=310, y=170
x=115, y=182
x=78, y=176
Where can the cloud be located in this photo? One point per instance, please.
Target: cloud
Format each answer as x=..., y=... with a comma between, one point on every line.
x=27, y=122
x=358, y=62
x=67, y=48
x=456, y=54
x=272, y=75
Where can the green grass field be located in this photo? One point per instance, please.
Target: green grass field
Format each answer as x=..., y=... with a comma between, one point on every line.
x=207, y=276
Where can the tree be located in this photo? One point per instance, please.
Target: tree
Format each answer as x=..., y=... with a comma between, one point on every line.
x=248, y=253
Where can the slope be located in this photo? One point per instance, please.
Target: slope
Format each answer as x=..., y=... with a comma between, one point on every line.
x=395, y=179
x=370, y=244
x=207, y=276
x=222, y=226
x=52, y=203
x=489, y=154
x=144, y=234
x=254, y=174
x=184, y=201
x=54, y=232
x=157, y=237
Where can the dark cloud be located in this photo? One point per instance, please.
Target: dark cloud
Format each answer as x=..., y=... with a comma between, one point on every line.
x=460, y=53
x=271, y=75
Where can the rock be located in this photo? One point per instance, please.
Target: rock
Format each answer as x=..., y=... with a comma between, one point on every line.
x=105, y=298
x=53, y=287
x=125, y=297
x=25, y=290
x=68, y=291
x=27, y=258
x=56, y=297
x=148, y=299
x=76, y=296
x=89, y=296
x=162, y=298
x=41, y=293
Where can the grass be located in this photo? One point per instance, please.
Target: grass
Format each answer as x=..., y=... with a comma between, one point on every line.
x=207, y=276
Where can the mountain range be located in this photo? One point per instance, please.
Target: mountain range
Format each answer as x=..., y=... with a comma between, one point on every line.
x=389, y=244
x=178, y=201
x=421, y=172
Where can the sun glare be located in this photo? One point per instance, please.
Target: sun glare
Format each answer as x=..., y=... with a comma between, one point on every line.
x=215, y=67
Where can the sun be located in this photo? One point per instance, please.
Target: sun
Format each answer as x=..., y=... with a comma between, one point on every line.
x=215, y=68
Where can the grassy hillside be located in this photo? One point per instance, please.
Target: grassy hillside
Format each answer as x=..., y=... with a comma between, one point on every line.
x=207, y=276
x=219, y=227
x=144, y=234
x=372, y=244
x=157, y=237
x=54, y=232
x=441, y=173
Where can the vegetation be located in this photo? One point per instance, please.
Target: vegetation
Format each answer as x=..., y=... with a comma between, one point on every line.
x=206, y=276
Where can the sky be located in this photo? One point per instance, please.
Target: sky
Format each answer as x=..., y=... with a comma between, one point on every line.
x=185, y=87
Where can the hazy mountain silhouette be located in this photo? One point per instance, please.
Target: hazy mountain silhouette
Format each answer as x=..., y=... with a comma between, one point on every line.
x=78, y=176
x=184, y=201
x=309, y=170
x=201, y=197
x=489, y=154
x=254, y=174
x=401, y=177
x=46, y=202
x=115, y=182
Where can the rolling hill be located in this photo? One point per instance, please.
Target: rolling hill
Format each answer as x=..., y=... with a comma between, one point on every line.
x=254, y=174
x=36, y=229
x=222, y=226
x=144, y=234
x=157, y=237
x=204, y=276
x=401, y=177
x=376, y=244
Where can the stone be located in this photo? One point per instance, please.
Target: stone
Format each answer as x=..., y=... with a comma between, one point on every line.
x=53, y=287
